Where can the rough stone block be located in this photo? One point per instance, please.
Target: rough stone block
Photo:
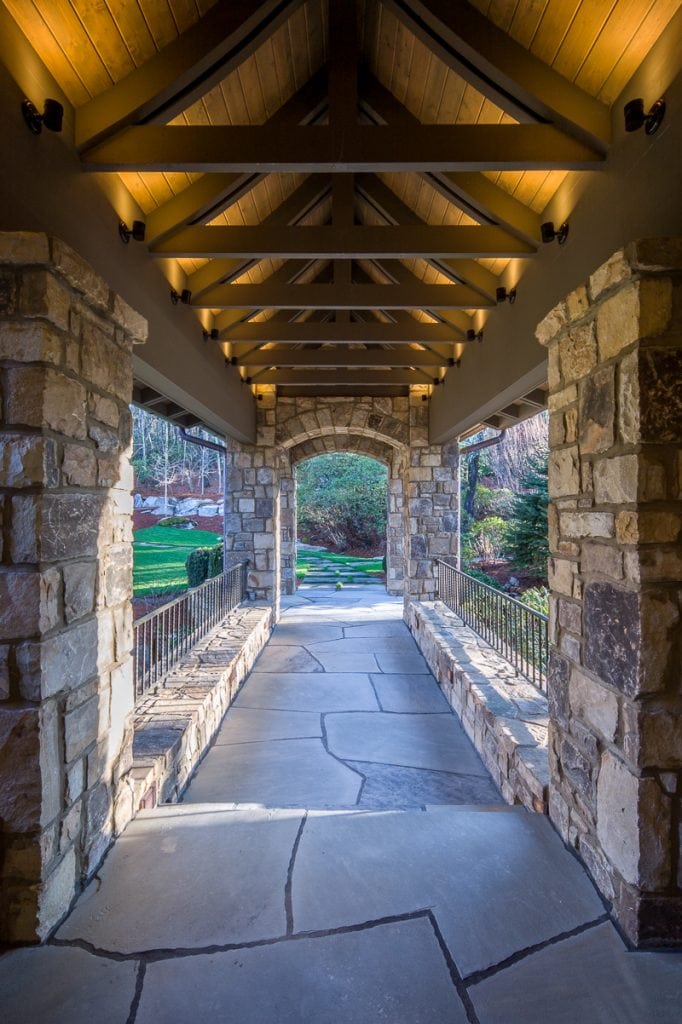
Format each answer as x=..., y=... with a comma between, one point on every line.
x=594, y=704
x=79, y=589
x=43, y=295
x=616, y=480
x=102, y=363
x=597, y=411
x=21, y=791
x=61, y=662
x=30, y=343
x=578, y=352
x=633, y=824
x=51, y=527
x=29, y=603
x=661, y=395
x=79, y=466
x=28, y=461
x=564, y=472
x=613, y=635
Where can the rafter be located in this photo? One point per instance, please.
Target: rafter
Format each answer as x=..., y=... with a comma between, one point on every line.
x=319, y=149
x=358, y=241
x=286, y=274
x=339, y=334
x=472, y=192
x=341, y=296
x=369, y=377
x=213, y=193
x=184, y=70
x=342, y=356
x=298, y=205
x=394, y=211
x=502, y=69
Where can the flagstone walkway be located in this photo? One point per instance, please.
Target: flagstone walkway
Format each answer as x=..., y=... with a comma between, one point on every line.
x=341, y=857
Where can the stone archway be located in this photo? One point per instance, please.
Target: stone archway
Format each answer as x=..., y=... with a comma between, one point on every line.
x=394, y=458
x=423, y=488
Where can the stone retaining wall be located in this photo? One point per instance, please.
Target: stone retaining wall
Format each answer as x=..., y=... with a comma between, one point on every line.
x=174, y=726
x=504, y=716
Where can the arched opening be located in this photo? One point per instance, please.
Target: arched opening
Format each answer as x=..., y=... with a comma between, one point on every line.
x=341, y=519
x=339, y=441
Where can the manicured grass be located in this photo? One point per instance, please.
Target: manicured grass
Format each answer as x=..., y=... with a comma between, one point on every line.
x=159, y=554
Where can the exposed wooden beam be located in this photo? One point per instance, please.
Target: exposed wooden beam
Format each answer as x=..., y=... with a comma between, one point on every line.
x=320, y=149
x=288, y=272
x=375, y=378
x=457, y=321
x=470, y=191
x=385, y=202
x=213, y=193
x=293, y=209
x=358, y=241
x=502, y=69
x=341, y=296
x=184, y=70
x=343, y=63
x=354, y=333
x=342, y=356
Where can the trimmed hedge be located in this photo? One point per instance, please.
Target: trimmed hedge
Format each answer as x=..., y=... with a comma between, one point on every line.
x=203, y=564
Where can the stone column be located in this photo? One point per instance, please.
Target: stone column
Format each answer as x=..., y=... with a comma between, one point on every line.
x=287, y=498
x=66, y=680
x=615, y=375
x=253, y=505
x=395, y=548
x=432, y=487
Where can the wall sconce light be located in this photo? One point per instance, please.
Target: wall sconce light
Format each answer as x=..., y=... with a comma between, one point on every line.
x=213, y=334
x=185, y=296
x=52, y=116
x=137, y=231
x=548, y=232
x=473, y=335
x=502, y=295
x=635, y=117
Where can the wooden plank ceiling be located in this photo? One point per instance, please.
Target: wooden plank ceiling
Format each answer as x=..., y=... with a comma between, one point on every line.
x=340, y=184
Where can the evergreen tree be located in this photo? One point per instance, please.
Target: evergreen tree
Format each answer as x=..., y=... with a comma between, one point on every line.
x=527, y=539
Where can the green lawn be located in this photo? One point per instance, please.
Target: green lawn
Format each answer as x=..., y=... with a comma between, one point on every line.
x=159, y=554
x=311, y=559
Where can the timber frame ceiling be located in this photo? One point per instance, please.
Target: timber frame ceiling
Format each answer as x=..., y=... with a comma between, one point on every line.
x=342, y=186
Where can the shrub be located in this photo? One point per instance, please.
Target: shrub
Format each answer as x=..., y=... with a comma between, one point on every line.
x=182, y=522
x=483, y=577
x=536, y=598
x=488, y=538
x=203, y=564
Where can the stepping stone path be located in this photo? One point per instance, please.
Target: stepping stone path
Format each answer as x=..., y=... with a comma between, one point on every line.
x=332, y=571
x=341, y=856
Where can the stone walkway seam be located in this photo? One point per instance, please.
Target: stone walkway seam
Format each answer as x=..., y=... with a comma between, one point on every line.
x=455, y=890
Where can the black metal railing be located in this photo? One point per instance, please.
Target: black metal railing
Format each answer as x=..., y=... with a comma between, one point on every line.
x=517, y=632
x=164, y=636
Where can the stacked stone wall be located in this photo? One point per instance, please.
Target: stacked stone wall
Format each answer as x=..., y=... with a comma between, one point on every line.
x=65, y=576
x=422, y=488
x=615, y=478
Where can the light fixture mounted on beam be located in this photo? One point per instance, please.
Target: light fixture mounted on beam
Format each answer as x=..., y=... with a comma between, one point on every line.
x=213, y=334
x=548, y=232
x=52, y=116
x=473, y=335
x=137, y=231
x=502, y=295
x=635, y=118
x=185, y=296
